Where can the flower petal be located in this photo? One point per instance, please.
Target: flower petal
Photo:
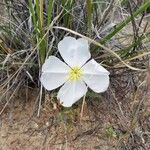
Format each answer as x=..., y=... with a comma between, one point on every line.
x=71, y=92
x=52, y=81
x=96, y=76
x=74, y=52
x=54, y=65
x=55, y=73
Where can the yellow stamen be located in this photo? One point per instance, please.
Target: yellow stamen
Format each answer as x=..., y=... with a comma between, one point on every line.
x=75, y=73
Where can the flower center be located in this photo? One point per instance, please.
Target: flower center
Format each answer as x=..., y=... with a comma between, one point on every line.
x=75, y=73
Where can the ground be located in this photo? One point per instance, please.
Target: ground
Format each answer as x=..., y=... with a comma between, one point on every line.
x=21, y=130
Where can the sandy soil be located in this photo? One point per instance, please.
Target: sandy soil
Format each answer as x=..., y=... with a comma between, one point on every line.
x=21, y=129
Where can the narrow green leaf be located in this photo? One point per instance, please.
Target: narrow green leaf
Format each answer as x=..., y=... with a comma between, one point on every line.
x=125, y=22
x=32, y=13
x=38, y=15
x=89, y=9
x=50, y=11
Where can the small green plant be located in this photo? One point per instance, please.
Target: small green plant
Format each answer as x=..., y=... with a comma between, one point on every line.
x=110, y=132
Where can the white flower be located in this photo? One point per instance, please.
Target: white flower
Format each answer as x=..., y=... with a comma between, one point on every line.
x=76, y=74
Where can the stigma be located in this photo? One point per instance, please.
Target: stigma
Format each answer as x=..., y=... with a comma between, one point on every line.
x=75, y=73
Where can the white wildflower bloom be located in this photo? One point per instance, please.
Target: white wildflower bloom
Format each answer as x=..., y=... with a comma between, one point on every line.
x=75, y=75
